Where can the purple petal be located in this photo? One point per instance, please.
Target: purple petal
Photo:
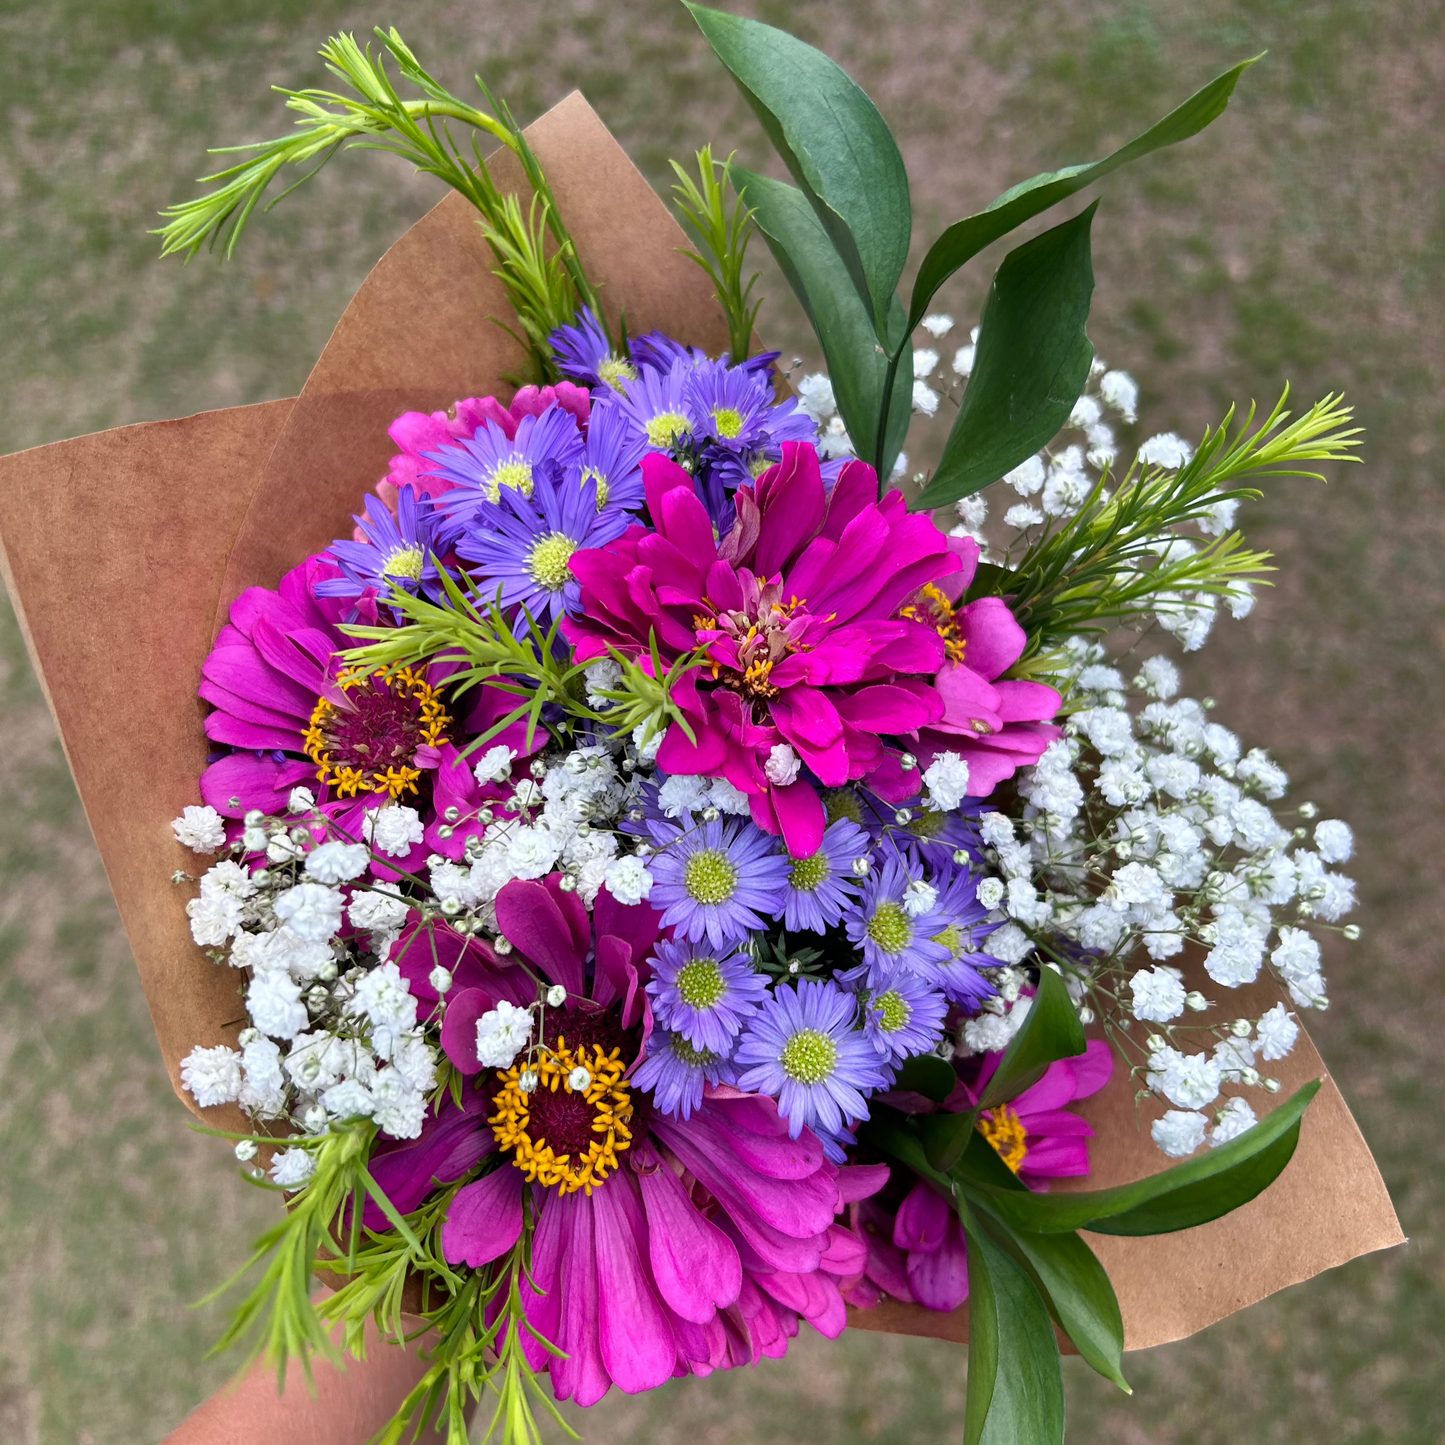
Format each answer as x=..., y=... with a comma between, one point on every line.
x=637, y=1344
x=694, y=1263
x=484, y=1220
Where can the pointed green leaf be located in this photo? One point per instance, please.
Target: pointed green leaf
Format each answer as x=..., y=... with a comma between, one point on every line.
x=1079, y=1295
x=966, y=238
x=1020, y=1395
x=834, y=142
x=1190, y=1193
x=928, y=1075
x=1032, y=362
x=856, y=365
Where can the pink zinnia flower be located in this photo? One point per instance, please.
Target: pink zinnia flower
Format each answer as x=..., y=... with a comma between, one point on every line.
x=996, y=726
x=797, y=612
x=918, y=1253
x=661, y=1247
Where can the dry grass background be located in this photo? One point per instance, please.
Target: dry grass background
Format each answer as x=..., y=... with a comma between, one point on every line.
x=1301, y=238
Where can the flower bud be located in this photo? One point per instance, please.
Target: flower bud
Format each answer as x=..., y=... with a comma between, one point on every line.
x=245, y=1150
x=556, y=996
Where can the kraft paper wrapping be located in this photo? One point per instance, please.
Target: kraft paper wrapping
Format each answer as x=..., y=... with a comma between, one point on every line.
x=122, y=552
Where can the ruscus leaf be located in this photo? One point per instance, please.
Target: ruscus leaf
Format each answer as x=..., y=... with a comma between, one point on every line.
x=1032, y=362
x=834, y=142
x=966, y=238
x=928, y=1075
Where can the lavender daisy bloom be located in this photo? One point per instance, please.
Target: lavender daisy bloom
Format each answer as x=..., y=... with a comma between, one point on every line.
x=701, y=997
x=715, y=880
x=584, y=353
x=612, y=458
x=653, y=348
x=656, y=406
x=821, y=886
x=526, y=545
x=730, y=405
x=675, y=1073
x=806, y=1052
x=895, y=926
x=965, y=926
x=398, y=551
x=491, y=462
x=906, y=1018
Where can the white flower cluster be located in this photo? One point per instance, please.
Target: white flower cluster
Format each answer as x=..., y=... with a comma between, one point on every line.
x=314, y=919
x=1148, y=828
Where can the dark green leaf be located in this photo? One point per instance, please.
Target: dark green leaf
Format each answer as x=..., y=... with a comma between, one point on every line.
x=890, y=1132
x=1019, y=1397
x=1051, y=1031
x=856, y=365
x=1079, y=1295
x=834, y=142
x=928, y=1075
x=966, y=238
x=981, y=1165
x=1032, y=362
x=1210, y=1185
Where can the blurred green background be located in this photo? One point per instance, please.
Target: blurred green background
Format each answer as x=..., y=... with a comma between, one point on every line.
x=1300, y=239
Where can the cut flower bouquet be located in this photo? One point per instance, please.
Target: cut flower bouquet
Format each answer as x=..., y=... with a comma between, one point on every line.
x=668, y=872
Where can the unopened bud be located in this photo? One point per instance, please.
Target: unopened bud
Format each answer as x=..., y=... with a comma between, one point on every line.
x=528, y=1082
x=861, y=867
x=903, y=817
x=440, y=979
x=907, y=762
x=1271, y=1086
x=556, y=996
x=1241, y=1028
x=502, y=945
x=579, y=1080
x=1351, y=931
x=245, y=1150
x=1196, y=1002
x=567, y=883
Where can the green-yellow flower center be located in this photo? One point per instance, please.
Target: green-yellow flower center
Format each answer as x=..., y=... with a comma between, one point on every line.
x=890, y=928
x=547, y=561
x=404, y=562
x=809, y=1057
x=843, y=803
x=700, y=983
x=665, y=428
x=516, y=473
x=728, y=420
x=615, y=371
x=602, y=486
x=758, y=463
x=927, y=824
x=894, y=1011
x=951, y=938
x=710, y=876
x=693, y=1058
x=809, y=874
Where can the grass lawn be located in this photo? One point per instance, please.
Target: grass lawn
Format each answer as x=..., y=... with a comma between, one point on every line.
x=1300, y=239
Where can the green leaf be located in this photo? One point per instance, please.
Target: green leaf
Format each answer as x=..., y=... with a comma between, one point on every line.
x=966, y=238
x=1032, y=362
x=1015, y=1380
x=1079, y=1295
x=1193, y=1192
x=834, y=142
x=856, y=366
x=928, y=1075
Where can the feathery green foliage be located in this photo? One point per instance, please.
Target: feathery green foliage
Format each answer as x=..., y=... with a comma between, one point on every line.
x=1114, y=560
x=545, y=291
x=721, y=241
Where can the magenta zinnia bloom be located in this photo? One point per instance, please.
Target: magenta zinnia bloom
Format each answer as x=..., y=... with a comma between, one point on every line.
x=661, y=1246
x=996, y=726
x=294, y=714
x=797, y=611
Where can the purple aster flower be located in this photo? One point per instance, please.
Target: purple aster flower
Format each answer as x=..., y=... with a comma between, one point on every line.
x=906, y=1018
x=656, y=407
x=674, y=1072
x=965, y=925
x=806, y=1052
x=704, y=998
x=895, y=925
x=715, y=880
x=490, y=462
x=655, y=349
x=822, y=885
x=937, y=838
x=525, y=544
x=584, y=353
x=612, y=457
x=398, y=550
x=731, y=406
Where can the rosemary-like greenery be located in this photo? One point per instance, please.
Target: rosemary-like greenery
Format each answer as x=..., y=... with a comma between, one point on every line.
x=1107, y=565
x=720, y=239
x=545, y=290
x=524, y=662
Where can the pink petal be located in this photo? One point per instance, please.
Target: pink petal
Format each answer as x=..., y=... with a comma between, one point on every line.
x=459, y=1027
x=484, y=1220
x=993, y=639
x=923, y=1219
x=531, y=921
x=940, y=1279
x=695, y=1264
x=637, y=1343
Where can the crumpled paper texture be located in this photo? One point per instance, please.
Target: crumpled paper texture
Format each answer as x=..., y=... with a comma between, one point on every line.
x=122, y=552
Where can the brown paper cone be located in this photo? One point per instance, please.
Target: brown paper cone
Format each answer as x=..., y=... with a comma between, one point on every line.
x=123, y=550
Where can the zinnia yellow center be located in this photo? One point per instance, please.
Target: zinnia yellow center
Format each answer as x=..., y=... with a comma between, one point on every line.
x=1005, y=1131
